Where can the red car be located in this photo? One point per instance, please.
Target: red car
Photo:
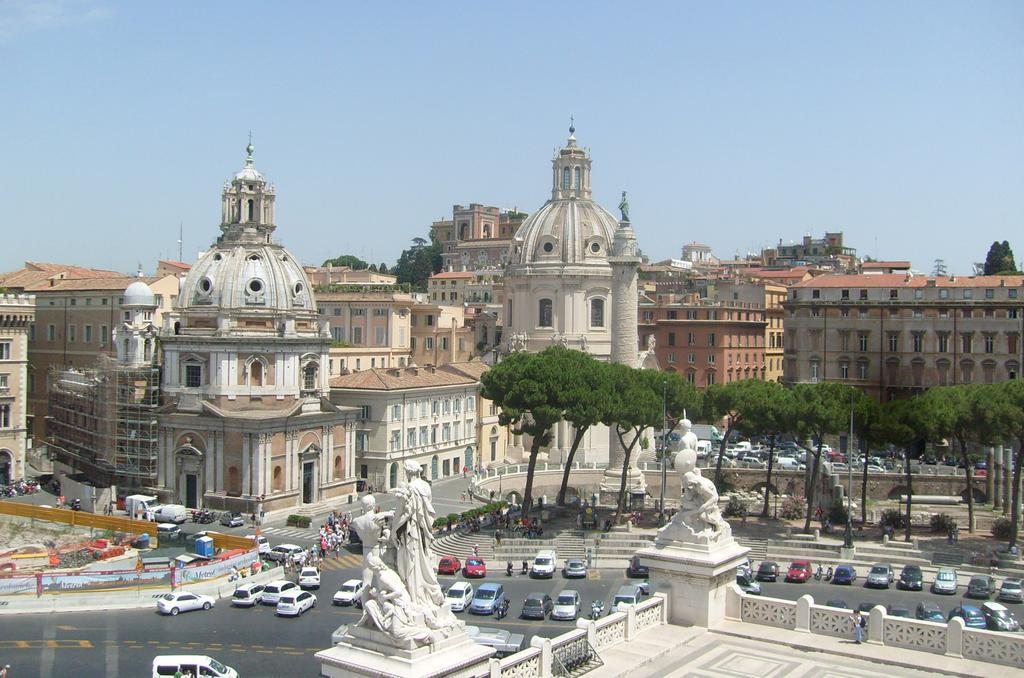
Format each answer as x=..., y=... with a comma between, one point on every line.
x=449, y=565
x=474, y=568
x=799, y=571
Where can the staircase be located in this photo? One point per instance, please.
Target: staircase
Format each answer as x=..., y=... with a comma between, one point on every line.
x=758, y=547
x=570, y=544
x=460, y=544
x=947, y=558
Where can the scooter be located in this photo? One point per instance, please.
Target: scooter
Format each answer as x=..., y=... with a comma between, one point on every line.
x=508, y=569
x=818, y=573
x=501, y=609
x=526, y=568
x=596, y=609
x=828, y=574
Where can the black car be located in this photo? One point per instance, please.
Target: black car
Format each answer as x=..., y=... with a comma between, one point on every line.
x=841, y=604
x=866, y=608
x=981, y=586
x=898, y=611
x=635, y=569
x=911, y=579
x=930, y=612
x=537, y=606
x=767, y=571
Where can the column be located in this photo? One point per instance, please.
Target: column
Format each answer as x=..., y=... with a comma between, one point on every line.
x=990, y=460
x=997, y=481
x=1007, y=479
x=208, y=475
x=216, y=448
x=246, y=443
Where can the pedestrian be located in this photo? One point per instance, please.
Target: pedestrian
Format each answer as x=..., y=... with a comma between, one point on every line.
x=859, y=622
x=463, y=497
x=497, y=537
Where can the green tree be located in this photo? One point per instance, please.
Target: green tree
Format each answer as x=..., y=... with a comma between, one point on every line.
x=418, y=262
x=383, y=268
x=636, y=406
x=1000, y=259
x=821, y=409
x=350, y=260
x=1010, y=417
x=866, y=414
x=769, y=413
x=525, y=386
x=898, y=423
x=730, y=400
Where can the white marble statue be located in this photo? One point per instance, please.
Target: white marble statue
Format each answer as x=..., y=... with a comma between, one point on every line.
x=698, y=520
x=371, y=528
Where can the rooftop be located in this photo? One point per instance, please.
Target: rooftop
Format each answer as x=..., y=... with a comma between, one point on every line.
x=391, y=379
x=905, y=280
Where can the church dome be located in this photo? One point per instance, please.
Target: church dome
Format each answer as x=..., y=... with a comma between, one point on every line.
x=139, y=294
x=570, y=228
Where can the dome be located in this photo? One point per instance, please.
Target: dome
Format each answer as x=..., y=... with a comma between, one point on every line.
x=249, y=173
x=139, y=294
x=250, y=277
x=565, y=232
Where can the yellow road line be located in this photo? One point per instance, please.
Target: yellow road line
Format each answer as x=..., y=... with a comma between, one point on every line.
x=59, y=643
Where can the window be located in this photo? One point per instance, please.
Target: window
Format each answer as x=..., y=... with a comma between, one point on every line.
x=990, y=343
x=428, y=343
x=990, y=293
x=4, y=384
x=648, y=316
x=691, y=358
x=711, y=359
x=364, y=411
x=918, y=314
x=433, y=434
x=410, y=438
x=671, y=358
x=424, y=436
x=456, y=429
x=597, y=313
x=894, y=294
x=444, y=343
x=446, y=433
x=689, y=339
x=672, y=315
x=362, y=441
x=816, y=312
x=435, y=407
x=566, y=179
x=193, y=376
x=396, y=440
x=862, y=342
x=457, y=405
x=943, y=343
x=919, y=294
x=815, y=294
x=1011, y=313
x=381, y=336
x=5, y=350
x=576, y=172
x=844, y=295
x=104, y=332
x=863, y=295
x=691, y=314
x=5, y=416
x=711, y=339
x=447, y=409
x=844, y=340
x=844, y=312
x=943, y=294
x=1012, y=293
x=358, y=311
x=544, y=313
x=396, y=413
x=357, y=335
x=968, y=293
x=671, y=338
x=966, y=343
x=844, y=370
x=814, y=370
x=862, y=369
x=87, y=334
x=918, y=342
x=430, y=320
x=71, y=330
x=471, y=404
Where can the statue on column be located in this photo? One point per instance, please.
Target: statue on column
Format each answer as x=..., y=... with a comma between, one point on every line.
x=624, y=207
x=698, y=520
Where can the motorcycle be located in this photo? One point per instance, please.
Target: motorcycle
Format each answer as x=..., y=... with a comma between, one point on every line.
x=828, y=574
x=501, y=609
x=596, y=609
x=818, y=573
x=508, y=569
x=526, y=568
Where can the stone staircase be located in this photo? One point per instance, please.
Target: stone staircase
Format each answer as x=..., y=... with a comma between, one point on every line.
x=758, y=547
x=947, y=558
x=460, y=544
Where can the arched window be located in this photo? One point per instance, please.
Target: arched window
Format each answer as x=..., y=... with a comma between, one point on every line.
x=250, y=218
x=338, y=468
x=577, y=183
x=309, y=374
x=597, y=313
x=278, y=483
x=566, y=178
x=544, y=316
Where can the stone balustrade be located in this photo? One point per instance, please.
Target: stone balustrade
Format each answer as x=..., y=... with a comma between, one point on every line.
x=951, y=639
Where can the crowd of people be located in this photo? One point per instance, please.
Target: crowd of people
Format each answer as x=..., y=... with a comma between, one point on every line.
x=335, y=533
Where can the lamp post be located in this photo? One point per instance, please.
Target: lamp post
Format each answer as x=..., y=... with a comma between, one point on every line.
x=664, y=447
x=848, y=538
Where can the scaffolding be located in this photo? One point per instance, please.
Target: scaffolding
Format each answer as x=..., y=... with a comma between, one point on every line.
x=103, y=421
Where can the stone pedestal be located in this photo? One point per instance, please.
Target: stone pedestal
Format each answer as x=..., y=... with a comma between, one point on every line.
x=367, y=652
x=612, y=480
x=698, y=576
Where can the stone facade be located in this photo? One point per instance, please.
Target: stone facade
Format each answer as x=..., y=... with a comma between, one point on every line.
x=17, y=311
x=369, y=329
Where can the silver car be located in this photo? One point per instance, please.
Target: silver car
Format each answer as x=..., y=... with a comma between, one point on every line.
x=567, y=605
x=1011, y=591
x=880, y=576
x=945, y=581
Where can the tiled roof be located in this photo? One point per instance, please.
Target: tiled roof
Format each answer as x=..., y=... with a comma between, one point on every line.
x=450, y=275
x=885, y=264
x=385, y=379
x=74, y=284
x=36, y=273
x=176, y=264
x=904, y=280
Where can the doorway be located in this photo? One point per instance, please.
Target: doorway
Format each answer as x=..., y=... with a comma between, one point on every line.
x=447, y=467
x=308, y=470
x=191, y=490
x=6, y=470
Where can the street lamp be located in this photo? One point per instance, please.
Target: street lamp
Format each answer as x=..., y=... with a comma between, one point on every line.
x=664, y=447
x=848, y=537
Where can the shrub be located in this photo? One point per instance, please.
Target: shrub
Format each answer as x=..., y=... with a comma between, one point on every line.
x=793, y=508
x=942, y=522
x=735, y=507
x=453, y=517
x=440, y=522
x=837, y=513
x=1002, y=529
x=295, y=520
x=893, y=518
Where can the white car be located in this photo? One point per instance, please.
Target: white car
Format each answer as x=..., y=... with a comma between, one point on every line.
x=262, y=544
x=247, y=595
x=183, y=601
x=349, y=592
x=295, y=603
x=283, y=552
x=544, y=565
x=275, y=589
x=309, y=578
x=459, y=596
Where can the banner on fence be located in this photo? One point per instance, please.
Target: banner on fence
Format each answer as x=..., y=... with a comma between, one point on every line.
x=17, y=584
x=105, y=581
x=214, y=569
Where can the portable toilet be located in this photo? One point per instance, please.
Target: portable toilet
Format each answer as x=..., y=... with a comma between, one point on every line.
x=204, y=547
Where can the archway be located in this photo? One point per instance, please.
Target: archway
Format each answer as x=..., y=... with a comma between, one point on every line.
x=6, y=466
x=393, y=476
x=468, y=461
x=433, y=468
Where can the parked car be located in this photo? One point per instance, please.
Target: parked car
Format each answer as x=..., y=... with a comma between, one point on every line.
x=747, y=583
x=170, y=513
x=190, y=664
x=844, y=574
x=799, y=571
x=349, y=592
x=449, y=565
x=537, y=606
x=262, y=545
x=167, y=532
x=635, y=569
x=232, y=519
x=459, y=596
x=945, y=581
x=275, y=589
x=1011, y=591
x=911, y=578
x=897, y=611
x=504, y=642
x=282, y=553
x=767, y=571
x=486, y=598
x=880, y=576
x=981, y=586
x=929, y=612
x=567, y=605
x=972, y=616
x=295, y=603
x=247, y=595
x=574, y=568
x=866, y=608
x=183, y=601
x=543, y=565
x=630, y=594
x=475, y=567
x=309, y=578
x=998, y=618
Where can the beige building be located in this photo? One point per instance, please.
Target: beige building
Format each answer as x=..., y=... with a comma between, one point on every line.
x=325, y=276
x=896, y=334
x=17, y=311
x=431, y=415
x=450, y=288
x=440, y=335
x=770, y=298
x=77, y=311
x=369, y=329
x=476, y=237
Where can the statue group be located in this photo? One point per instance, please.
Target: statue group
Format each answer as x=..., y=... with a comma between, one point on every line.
x=698, y=520
x=401, y=596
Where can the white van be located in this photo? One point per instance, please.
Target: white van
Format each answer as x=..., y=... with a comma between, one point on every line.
x=170, y=513
x=703, y=448
x=167, y=532
x=544, y=565
x=261, y=543
x=190, y=664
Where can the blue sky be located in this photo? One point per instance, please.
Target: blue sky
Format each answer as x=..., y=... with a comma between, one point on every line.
x=734, y=124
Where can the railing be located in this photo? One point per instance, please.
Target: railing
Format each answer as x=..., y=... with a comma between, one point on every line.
x=914, y=634
x=995, y=647
x=523, y=664
x=769, y=611
x=610, y=630
x=572, y=652
x=649, y=613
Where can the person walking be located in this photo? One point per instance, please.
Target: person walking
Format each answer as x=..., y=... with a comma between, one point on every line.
x=859, y=622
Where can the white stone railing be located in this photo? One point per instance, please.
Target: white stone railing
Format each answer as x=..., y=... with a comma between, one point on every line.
x=768, y=611
x=650, y=612
x=523, y=664
x=951, y=639
x=610, y=630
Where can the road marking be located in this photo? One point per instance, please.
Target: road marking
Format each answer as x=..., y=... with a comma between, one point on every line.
x=65, y=627
x=594, y=574
x=48, y=657
x=111, y=651
x=45, y=644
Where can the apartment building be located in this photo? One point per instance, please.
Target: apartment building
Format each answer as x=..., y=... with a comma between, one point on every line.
x=429, y=414
x=707, y=341
x=17, y=312
x=770, y=297
x=897, y=334
x=369, y=329
x=450, y=288
x=440, y=335
x=476, y=237
x=325, y=276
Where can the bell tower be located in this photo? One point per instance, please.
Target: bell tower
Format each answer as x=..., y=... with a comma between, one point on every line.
x=247, y=205
x=571, y=170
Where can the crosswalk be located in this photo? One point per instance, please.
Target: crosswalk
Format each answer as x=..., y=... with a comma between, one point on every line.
x=346, y=561
x=291, y=533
